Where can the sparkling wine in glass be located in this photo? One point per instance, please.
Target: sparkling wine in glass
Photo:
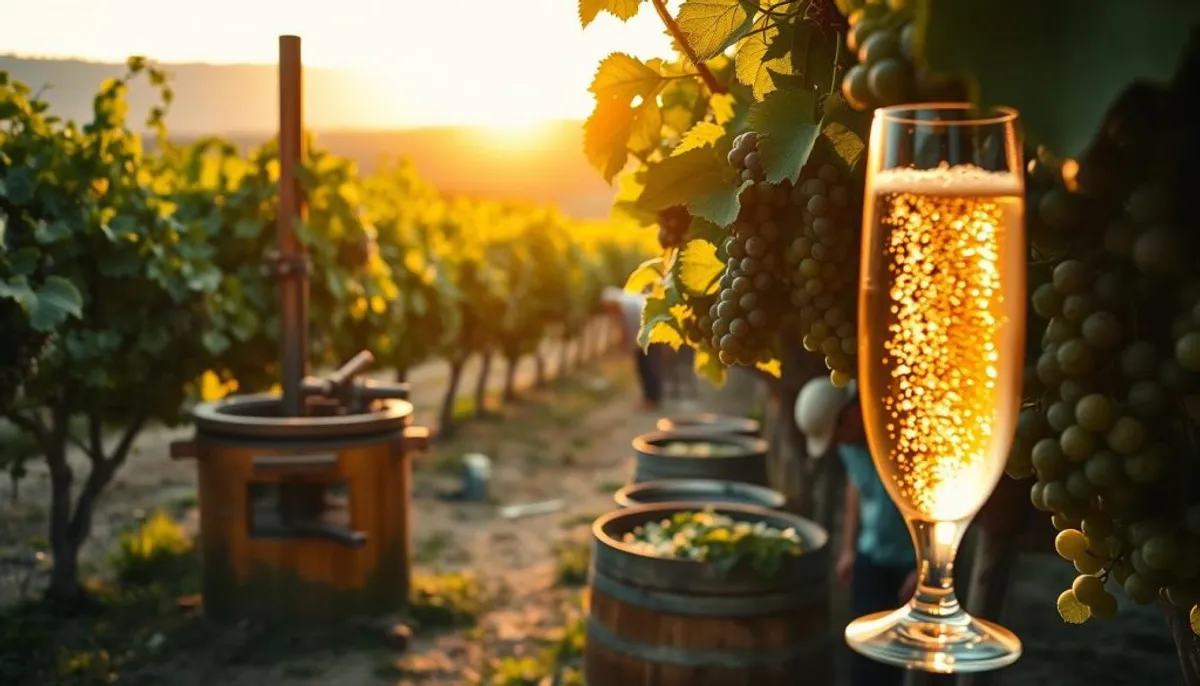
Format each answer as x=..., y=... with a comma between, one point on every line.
x=941, y=352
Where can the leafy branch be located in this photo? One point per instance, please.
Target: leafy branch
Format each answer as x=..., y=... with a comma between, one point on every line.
x=702, y=69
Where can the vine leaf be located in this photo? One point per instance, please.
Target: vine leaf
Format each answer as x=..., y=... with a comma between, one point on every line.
x=48, y=306
x=703, y=134
x=699, y=179
x=646, y=130
x=660, y=322
x=787, y=133
x=622, y=77
x=606, y=136
x=710, y=26
x=621, y=9
x=722, y=108
x=699, y=267
x=1079, y=72
x=646, y=274
x=841, y=127
x=753, y=67
x=704, y=229
x=708, y=367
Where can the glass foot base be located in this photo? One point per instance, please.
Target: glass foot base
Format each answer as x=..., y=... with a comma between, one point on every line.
x=944, y=645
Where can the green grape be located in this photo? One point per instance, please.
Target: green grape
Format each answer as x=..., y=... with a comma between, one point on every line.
x=1077, y=443
x=1020, y=460
x=1097, y=526
x=1127, y=436
x=1157, y=252
x=1072, y=276
x=1037, y=496
x=1146, y=398
x=1143, y=468
x=1047, y=301
x=1061, y=522
x=1056, y=496
x=1094, y=412
x=1071, y=391
x=1140, y=590
x=1060, y=415
x=880, y=45
x=1104, y=468
x=1059, y=209
x=1088, y=589
x=1079, y=487
x=889, y=81
x=1103, y=330
x=1048, y=460
x=1075, y=357
x=1187, y=351
x=1070, y=544
x=1160, y=552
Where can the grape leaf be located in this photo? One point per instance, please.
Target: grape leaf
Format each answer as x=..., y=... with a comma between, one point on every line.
x=699, y=268
x=1071, y=610
x=721, y=206
x=49, y=305
x=710, y=26
x=659, y=323
x=786, y=133
x=722, y=108
x=703, y=134
x=647, y=273
x=842, y=125
x=622, y=77
x=704, y=229
x=709, y=367
x=646, y=131
x=621, y=9
x=1080, y=72
x=679, y=179
x=753, y=68
x=606, y=137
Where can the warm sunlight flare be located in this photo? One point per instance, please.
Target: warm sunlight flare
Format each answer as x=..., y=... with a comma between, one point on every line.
x=478, y=62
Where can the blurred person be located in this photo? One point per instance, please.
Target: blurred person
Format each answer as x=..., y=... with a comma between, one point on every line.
x=876, y=559
x=627, y=308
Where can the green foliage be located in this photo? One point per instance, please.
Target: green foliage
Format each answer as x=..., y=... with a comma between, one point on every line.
x=572, y=559
x=446, y=599
x=1080, y=71
x=157, y=549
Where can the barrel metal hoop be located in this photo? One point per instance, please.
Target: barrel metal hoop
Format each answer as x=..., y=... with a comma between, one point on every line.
x=701, y=657
x=699, y=605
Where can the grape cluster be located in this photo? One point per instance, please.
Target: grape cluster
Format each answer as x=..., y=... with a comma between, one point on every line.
x=823, y=267
x=1107, y=433
x=753, y=289
x=673, y=224
x=884, y=75
x=744, y=157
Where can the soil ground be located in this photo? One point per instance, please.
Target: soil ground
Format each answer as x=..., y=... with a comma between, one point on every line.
x=569, y=441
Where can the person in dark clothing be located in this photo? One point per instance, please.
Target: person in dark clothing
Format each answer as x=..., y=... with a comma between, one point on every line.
x=627, y=308
x=876, y=560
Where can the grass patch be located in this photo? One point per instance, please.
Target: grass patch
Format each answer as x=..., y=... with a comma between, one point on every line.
x=578, y=519
x=558, y=662
x=610, y=487
x=431, y=547
x=120, y=627
x=450, y=599
x=571, y=562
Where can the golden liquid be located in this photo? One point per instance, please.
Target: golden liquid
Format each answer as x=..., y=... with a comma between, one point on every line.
x=941, y=336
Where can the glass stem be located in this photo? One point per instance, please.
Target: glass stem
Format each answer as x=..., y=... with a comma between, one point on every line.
x=936, y=546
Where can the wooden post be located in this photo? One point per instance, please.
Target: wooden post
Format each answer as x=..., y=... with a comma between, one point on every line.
x=292, y=270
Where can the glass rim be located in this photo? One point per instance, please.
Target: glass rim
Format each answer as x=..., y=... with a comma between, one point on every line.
x=990, y=115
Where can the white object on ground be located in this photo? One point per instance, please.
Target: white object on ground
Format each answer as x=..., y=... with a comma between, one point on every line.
x=531, y=509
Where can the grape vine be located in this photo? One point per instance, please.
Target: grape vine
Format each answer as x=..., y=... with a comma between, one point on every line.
x=766, y=153
x=134, y=284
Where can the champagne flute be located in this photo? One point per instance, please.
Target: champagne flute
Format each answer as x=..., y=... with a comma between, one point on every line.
x=941, y=352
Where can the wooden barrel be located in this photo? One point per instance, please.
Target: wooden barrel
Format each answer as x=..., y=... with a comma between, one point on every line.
x=669, y=622
x=678, y=455
x=701, y=491
x=711, y=421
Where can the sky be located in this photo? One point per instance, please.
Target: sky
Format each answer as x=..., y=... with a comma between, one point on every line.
x=431, y=62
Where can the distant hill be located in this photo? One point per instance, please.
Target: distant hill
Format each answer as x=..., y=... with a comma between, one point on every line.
x=240, y=102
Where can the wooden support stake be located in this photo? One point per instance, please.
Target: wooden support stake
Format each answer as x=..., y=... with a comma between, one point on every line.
x=293, y=284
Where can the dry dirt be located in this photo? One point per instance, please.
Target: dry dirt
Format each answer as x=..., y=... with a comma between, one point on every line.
x=569, y=442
